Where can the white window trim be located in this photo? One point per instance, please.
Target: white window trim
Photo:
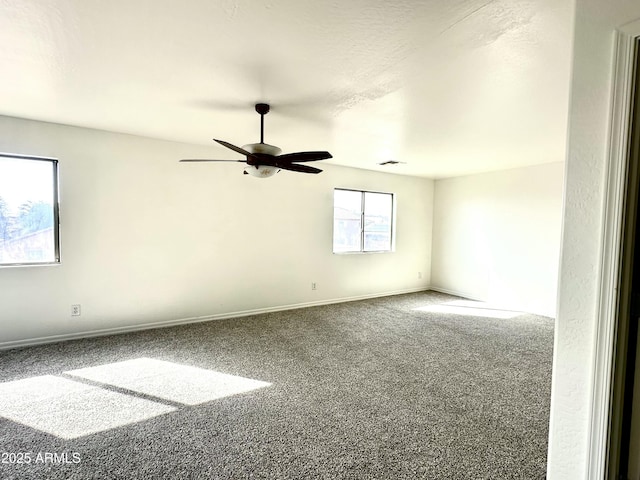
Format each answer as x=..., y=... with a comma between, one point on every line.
x=56, y=212
x=392, y=242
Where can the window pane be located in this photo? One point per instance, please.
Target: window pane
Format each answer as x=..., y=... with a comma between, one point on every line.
x=377, y=221
x=28, y=224
x=347, y=220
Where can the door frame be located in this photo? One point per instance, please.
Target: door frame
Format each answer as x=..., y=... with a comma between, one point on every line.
x=600, y=439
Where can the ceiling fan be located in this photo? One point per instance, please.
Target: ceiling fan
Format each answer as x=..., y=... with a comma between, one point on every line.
x=264, y=160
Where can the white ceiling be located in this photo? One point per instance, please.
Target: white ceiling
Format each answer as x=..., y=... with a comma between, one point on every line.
x=450, y=87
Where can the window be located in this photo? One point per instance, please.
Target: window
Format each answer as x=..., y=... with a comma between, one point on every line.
x=362, y=221
x=28, y=210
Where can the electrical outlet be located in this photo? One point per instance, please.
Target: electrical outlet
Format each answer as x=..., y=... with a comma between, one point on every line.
x=314, y=286
x=419, y=275
x=75, y=310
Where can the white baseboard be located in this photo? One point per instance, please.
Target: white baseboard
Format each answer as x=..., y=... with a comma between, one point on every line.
x=455, y=293
x=183, y=321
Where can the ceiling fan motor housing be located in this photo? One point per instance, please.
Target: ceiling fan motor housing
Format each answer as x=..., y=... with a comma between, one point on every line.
x=262, y=148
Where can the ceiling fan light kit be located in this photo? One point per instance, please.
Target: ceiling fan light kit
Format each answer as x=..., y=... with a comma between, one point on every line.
x=266, y=160
x=261, y=171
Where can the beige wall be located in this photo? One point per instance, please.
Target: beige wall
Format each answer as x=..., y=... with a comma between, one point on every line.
x=145, y=239
x=496, y=237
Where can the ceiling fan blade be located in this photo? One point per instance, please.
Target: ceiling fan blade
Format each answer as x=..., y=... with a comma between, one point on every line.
x=304, y=156
x=242, y=151
x=298, y=168
x=209, y=160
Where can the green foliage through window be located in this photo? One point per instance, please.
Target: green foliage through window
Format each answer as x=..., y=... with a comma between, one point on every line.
x=28, y=210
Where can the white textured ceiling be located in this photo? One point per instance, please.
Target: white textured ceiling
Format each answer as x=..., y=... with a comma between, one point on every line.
x=448, y=86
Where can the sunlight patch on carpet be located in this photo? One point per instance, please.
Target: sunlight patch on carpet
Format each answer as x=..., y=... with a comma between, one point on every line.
x=470, y=308
x=169, y=381
x=69, y=409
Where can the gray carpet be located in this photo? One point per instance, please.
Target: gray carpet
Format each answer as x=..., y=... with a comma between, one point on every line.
x=375, y=389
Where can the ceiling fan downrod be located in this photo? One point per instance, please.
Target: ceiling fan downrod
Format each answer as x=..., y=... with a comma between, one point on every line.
x=262, y=109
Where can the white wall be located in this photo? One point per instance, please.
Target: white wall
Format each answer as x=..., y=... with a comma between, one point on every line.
x=572, y=386
x=496, y=237
x=145, y=239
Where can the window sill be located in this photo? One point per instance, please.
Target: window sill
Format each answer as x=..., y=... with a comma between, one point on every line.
x=373, y=252
x=28, y=265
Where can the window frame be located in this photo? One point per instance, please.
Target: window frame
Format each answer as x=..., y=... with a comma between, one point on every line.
x=362, y=222
x=56, y=209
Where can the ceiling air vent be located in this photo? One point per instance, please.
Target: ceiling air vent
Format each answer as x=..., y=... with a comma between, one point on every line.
x=390, y=162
